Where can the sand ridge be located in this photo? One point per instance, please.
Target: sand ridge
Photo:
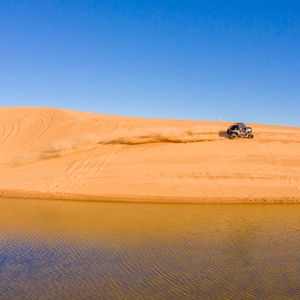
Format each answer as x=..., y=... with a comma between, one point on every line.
x=60, y=154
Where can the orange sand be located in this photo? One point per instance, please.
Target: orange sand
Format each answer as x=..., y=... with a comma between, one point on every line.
x=60, y=154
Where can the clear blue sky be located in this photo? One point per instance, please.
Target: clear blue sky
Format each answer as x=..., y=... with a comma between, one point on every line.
x=230, y=60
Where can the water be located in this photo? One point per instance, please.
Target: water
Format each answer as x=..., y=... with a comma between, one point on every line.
x=76, y=250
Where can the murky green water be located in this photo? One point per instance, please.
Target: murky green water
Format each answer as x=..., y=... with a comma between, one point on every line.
x=75, y=250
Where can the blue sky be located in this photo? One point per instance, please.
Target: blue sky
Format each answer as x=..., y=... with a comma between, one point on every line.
x=184, y=59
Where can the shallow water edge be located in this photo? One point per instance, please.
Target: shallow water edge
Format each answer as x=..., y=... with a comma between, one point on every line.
x=34, y=195
x=64, y=249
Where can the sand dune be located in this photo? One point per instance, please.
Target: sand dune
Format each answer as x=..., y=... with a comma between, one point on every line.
x=60, y=154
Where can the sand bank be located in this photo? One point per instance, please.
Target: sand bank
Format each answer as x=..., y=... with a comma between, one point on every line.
x=68, y=155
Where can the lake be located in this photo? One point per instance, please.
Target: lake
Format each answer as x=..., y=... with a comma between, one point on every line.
x=90, y=250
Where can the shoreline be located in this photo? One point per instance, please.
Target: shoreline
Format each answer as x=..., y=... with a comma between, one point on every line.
x=57, y=196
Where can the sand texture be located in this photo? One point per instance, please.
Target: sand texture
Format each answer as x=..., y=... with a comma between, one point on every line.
x=61, y=154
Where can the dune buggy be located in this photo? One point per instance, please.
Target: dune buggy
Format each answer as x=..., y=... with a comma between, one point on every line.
x=240, y=130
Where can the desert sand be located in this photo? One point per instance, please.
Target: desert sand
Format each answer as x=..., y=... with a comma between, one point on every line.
x=60, y=154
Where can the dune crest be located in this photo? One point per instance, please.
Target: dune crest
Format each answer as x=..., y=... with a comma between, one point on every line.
x=61, y=154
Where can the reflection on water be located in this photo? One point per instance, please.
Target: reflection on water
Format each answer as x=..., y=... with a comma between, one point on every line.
x=75, y=250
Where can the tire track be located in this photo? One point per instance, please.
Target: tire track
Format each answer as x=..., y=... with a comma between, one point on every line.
x=77, y=172
x=41, y=124
x=2, y=126
x=89, y=164
x=23, y=131
x=116, y=147
x=15, y=128
x=98, y=165
x=48, y=126
x=28, y=127
x=282, y=170
x=7, y=131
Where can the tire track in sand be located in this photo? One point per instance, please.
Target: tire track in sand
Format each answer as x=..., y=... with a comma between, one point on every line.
x=80, y=171
x=3, y=130
x=47, y=126
x=8, y=129
x=75, y=173
x=97, y=165
x=23, y=131
x=282, y=170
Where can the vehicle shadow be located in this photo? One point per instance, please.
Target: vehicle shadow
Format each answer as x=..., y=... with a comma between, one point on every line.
x=224, y=134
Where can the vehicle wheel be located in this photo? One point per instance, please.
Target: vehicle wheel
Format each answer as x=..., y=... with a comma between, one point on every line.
x=232, y=136
x=250, y=136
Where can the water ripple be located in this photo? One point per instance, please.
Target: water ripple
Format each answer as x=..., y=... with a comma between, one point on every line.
x=55, y=250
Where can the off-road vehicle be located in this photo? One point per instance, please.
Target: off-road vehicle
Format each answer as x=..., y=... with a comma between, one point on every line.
x=240, y=130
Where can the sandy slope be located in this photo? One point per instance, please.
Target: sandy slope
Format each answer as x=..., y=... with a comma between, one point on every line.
x=54, y=153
